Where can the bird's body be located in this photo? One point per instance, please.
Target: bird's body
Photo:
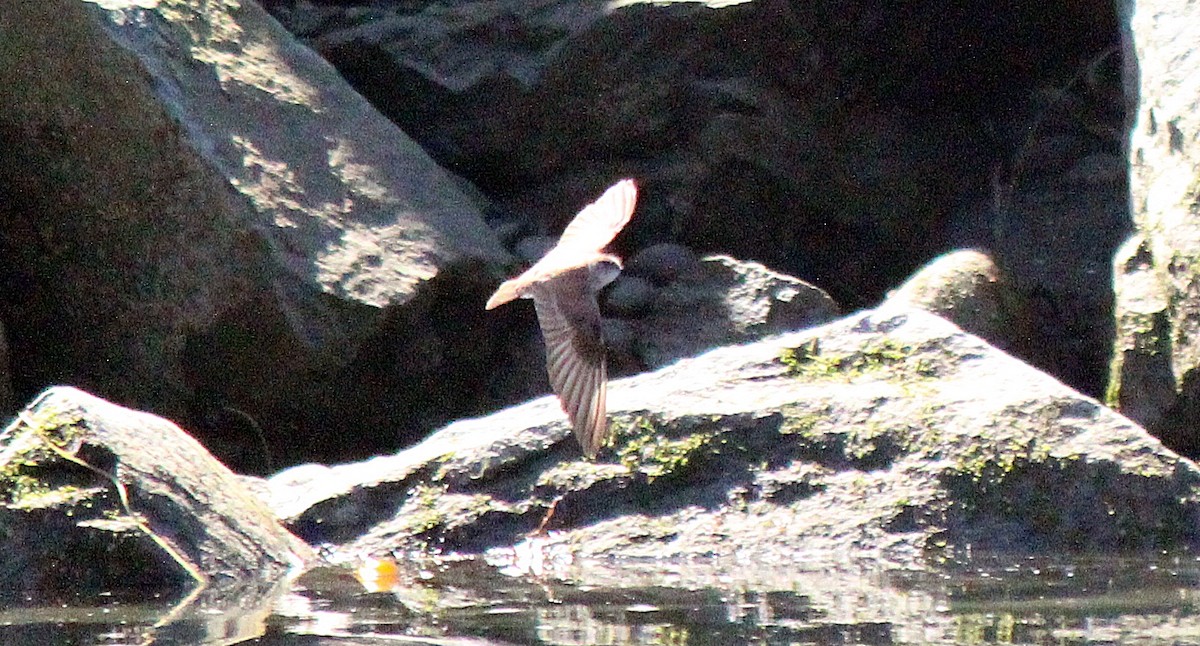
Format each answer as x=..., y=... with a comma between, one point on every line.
x=564, y=285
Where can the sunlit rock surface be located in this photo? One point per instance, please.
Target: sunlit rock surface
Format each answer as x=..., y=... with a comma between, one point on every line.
x=96, y=499
x=201, y=218
x=1155, y=376
x=721, y=301
x=890, y=435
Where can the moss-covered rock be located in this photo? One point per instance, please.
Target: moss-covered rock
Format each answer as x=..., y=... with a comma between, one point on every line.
x=95, y=498
x=890, y=435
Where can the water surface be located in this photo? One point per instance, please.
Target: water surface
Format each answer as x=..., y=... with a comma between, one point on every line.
x=509, y=599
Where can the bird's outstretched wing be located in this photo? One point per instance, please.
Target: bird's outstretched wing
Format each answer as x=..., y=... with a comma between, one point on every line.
x=570, y=322
x=593, y=228
x=599, y=222
x=569, y=315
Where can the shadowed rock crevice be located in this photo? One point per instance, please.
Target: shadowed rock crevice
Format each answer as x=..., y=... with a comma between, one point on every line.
x=324, y=523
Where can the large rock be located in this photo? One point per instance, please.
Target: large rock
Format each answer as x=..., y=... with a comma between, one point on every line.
x=845, y=143
x=202, y=219
x=722, y=301
x=101, y=499
x=890, y=436
x=1156, y=364
x=966, y=288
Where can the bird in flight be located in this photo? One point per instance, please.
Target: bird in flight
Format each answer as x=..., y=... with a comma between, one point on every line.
x=563, y=286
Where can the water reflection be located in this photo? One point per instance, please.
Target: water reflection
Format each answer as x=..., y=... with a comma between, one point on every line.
x=211, y=616
x=497, y=599
x=986, y=601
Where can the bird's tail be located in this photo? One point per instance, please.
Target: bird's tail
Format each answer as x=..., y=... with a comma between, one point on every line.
x=507, y=291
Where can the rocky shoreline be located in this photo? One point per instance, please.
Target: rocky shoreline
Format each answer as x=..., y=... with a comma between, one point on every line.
x=849, y=333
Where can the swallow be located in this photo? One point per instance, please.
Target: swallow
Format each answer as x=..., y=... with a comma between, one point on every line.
x=564, y=285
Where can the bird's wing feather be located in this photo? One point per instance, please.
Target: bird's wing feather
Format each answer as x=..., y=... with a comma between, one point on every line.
x=599, y=222
x=570, y=322
x=507, y=291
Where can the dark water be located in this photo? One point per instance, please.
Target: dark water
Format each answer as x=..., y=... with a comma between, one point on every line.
x=991, y=600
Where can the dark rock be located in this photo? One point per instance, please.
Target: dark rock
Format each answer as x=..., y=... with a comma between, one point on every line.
x=102, y=499
x=664, y=263
x=7, y=403
x=725, y=301
x=629, y=296
x=1156, y=360
x=217, y=230
x=618, y=335
x=890, y=436
x=844, y=143
x=200, y=218
x=532, y=248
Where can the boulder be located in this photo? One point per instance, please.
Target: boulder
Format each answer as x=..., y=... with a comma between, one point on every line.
x=843, y=143
x=889, y=437
x=200, y=218
x=1155, y=377
x=966, y=288
x=99, y=499
x=723, y=301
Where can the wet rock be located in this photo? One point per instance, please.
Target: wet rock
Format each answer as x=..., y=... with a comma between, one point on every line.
x=725, y=301
x=102, y=499
x=216, y=226
x=890, y=437
x=1155, y=375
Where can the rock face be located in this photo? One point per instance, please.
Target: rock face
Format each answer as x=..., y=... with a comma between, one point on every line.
x=842, y=143
x=721, y=301
x=102, y=499
x=201, y=219
x=1156, y=365
x=7, y=405
x=891, y=436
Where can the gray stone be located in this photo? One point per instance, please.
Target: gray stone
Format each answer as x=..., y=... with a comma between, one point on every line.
x=532, y=248
x=629, y=296
x=208, y=219
x=889, y=437
x=618, y=335
x=7, y=402
x=722, y=302
x=1155, y=376
x=664, y=263
x=967, y=288
x=1156, y=363
x=102, y=499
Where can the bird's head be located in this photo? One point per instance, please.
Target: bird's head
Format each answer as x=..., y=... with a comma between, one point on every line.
x=603, y=271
